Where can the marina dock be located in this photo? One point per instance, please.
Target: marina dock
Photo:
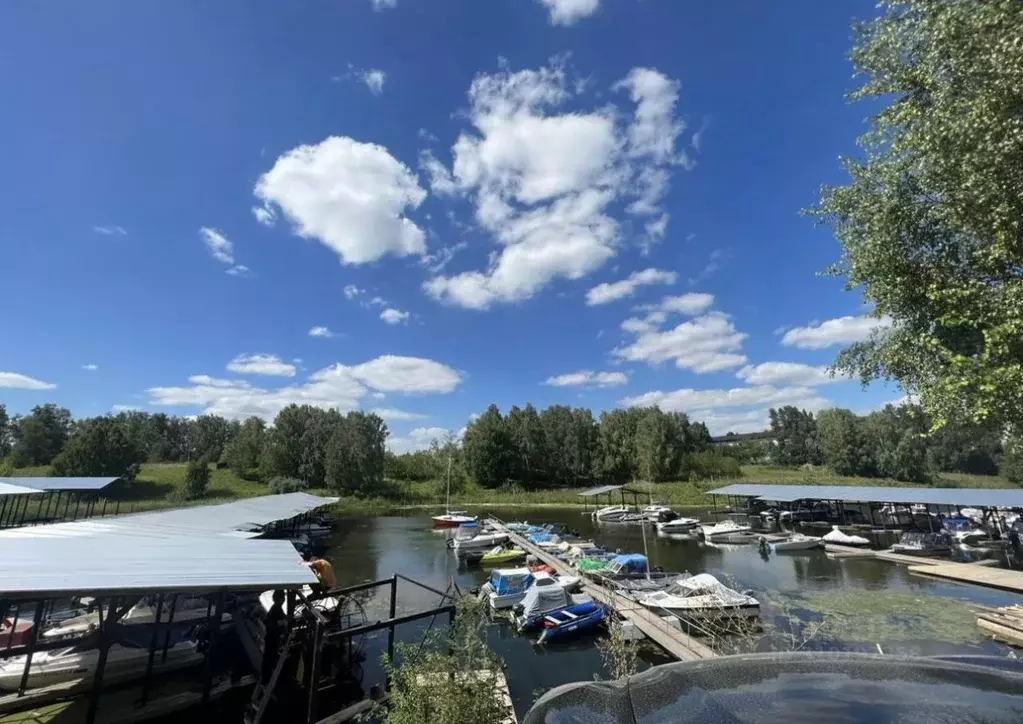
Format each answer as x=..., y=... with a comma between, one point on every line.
x=669, y=638
x=971, y=573
x=840, y=551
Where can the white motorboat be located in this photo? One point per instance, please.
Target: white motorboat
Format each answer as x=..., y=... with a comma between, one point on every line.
x=701, y=597
x=728, y=531
x=61, y=665
x=186, y=609
x=840, y=538
x=481, y=542
x=508, y=586
x=451, y=519
x=679, y=525
x=797, y=542
x=916, y=543
x=611, y=514
x=654, y=512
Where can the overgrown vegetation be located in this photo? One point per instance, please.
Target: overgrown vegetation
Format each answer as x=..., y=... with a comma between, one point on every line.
x=197, y=480
x=451, y=677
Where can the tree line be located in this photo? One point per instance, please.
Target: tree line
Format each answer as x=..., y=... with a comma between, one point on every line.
x=896, y=442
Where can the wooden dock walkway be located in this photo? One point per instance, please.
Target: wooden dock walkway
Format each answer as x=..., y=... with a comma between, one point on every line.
x=840, y=551
x=675, y=642
x=1000, y=578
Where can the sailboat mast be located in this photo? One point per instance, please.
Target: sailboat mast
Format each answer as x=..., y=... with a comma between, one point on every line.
x=448, y=504
x=646, y=554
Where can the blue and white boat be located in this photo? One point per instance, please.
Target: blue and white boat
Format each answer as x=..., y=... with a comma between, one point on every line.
x=571, y=621
x=508, y=586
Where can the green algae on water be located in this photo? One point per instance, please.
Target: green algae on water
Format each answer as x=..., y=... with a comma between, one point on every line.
x=864, y=615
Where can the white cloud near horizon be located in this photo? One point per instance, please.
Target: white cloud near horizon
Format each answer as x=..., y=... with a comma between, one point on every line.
x=338, y=386
x=90, y=367
x=788, y=373
x=843, y=330
x=17, y=381
x=350, y=196
x=613, y=291
x=394, y=316
x=704, y=344
x=110, y=230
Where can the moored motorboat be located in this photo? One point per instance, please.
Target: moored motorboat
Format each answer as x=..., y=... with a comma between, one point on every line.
x=610, y=514
x=572, y=621
x=508, y=586
x=452, y=519
x=70, y=664
x=917, y=543
x=499, y=555
x=655, y=512
x=541, y=600
x=701, y=597
x=727, y=531
x=186, y=608
x=480, y=542
x=838, y=537
x=796, y=542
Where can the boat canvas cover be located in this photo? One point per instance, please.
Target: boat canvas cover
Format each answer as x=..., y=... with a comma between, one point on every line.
x=509, y=580
x=630, y=563
x=541, y=599
x=590, y=565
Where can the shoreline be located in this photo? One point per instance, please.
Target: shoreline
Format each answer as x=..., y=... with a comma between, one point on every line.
x=378, y=507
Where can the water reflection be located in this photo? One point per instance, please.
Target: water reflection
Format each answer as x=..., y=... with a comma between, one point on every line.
x=369, y=548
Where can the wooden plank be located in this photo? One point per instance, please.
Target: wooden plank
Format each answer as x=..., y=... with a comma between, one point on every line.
x=1000, y=578
x=841, y=551
x=1004, y=633
x=676, y=643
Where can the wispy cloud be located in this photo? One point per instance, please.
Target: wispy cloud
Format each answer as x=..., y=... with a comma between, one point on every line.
x=321, y=332
x=222, y=250
x=16, y=381
x=90, y=367
x=110, y=230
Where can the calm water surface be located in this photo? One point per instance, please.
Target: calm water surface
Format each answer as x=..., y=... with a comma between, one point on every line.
x=806, y=586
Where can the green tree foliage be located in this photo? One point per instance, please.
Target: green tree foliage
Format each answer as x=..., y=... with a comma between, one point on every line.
x=244, y=452
x=197, y=479
x=99, y=446
x=6, y=432
x=1011, y=464
x=41, y=435
x=661, y=441
x=708, y=465
x=843, y=443
x=355, y=452
x=207, y=436
x=529, y=446
x=896, y=437
x=965, y=448
x=283, y=455
x=795, y=432
x=616, y=440
x=488, y=450
x=931, y=221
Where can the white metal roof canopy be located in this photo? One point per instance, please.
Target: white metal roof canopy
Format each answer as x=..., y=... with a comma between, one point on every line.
x=111, y=565
x=953, y=497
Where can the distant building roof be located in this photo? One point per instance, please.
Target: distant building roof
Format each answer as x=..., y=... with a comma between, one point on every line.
x=46, y=484
x=958, y=497
x=237, y=519
x=600, y=490
x=104, y=565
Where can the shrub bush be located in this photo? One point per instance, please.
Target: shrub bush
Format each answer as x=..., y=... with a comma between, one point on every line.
x=197, y=480
x=280, y=485
x=709, y=464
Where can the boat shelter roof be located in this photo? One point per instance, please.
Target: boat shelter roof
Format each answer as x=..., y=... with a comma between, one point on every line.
x=55, y=484
x=103, y=565
x=956, y=497
x=238, y=519
x=600, y=490
x=7, y=488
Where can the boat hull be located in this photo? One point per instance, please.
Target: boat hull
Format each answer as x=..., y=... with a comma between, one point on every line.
x=562, y=625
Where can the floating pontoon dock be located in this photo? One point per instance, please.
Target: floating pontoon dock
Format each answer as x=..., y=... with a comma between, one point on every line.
x=658, y=630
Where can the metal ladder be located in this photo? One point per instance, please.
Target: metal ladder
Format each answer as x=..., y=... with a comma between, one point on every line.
x=261, y=694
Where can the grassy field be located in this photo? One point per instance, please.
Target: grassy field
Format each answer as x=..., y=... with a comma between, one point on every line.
x=161, y=486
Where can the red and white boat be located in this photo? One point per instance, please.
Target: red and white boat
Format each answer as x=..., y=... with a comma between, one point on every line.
x=452, y=519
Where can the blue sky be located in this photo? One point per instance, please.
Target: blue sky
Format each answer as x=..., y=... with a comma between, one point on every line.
x=590, y=202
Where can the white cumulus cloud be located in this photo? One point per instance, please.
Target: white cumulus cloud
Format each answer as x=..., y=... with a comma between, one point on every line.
x=709, y=343
x=613, y=291
x=787, y=373
x=394, y=316
x=843, y=330
x=374, y=80
x=588, y=378
x=567, y=12
x=544, y=180
x=16, y=381
x=321, y=332
x=339, y=386
x=390, y=413
x=350, y=196
x=261, y=364
x=420, y=438
x=379, y=5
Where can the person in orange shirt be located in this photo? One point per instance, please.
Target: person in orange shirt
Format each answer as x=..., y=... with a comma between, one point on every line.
x=323, y=570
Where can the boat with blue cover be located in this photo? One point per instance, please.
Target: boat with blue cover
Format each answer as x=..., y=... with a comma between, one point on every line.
x=508, y=586
x=572, y=621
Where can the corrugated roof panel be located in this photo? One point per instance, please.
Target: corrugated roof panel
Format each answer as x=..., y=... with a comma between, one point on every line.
x=61, y=483
x=600, y=490
x=955, y=497
x=224, y=519
x=12, y=489
x=104, y=565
